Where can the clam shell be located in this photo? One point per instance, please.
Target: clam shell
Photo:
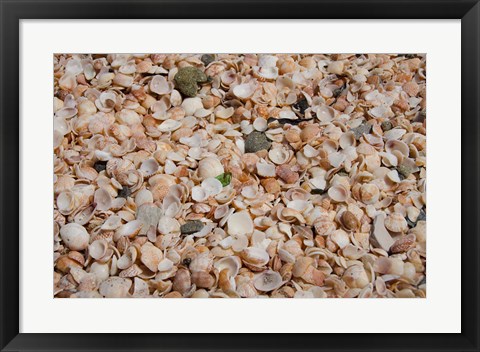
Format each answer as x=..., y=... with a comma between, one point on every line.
x=268, y=280
x=115, y=287
x=240, y=223
x=74, y=236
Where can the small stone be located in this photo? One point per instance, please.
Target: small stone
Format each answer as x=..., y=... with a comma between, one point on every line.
x=124, y=192
x=207, y=59
x=301, y=106
x=100, y=165
x=256, y=141
x=360, y=130
x=191, y=227
x=404, y=171
x=386, y=125
x=187, y=79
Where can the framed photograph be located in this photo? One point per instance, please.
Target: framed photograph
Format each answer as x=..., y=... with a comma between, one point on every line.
x=270, y=155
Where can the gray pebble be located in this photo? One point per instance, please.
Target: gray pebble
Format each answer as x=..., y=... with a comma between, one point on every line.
x=256, y=141
x=191, y=227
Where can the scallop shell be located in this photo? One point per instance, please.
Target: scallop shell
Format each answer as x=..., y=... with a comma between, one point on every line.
x=212, y=186
x=369, y=193
x=255, y=256
x=279, y=155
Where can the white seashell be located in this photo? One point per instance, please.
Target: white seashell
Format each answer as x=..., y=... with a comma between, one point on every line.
x=165, y=265
x=240, y=223
x=112, y=223
x=127, y=259
x=318, y=182
x=175, y=98
x=190, y=105
x=160, y=85
x=209, y=167
x=74, y=236
x=268, y=73
x=130, y=229
x=298, y=204
x=212, y=186
x=250, y=191
x=115, y=287
x=255, y=256
x=101, y=271
x=380, y=236
x=199, y=194
x=347, y=140
x=310, y=152
x=394, y=145
x=395, y=133
x=171, y=205
x=338, y=193
x=128, y=117
x=151, y=256
x=169, y=126
x=336, y=159
x=265, y=170
x=231, y=263
x=98, y=248
x=224, y=113
x=260, y=124
x=66, y=202
x=267, y=281
x=103, y=199
x=149, y=167
x=340, y=237
x=244, y=91
x=279, y=155
x=325, y=113
x=143, y=196
x=168, y=225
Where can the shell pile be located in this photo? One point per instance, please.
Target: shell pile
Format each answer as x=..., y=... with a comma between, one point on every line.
x=239, y=175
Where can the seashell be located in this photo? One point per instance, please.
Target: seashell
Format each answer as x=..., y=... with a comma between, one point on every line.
x=123, y=80
x=168, y=225
x=85, y=215
x=340, y=237
x=130, y=229
x=231, y=263
x=255, y=256
x=396, y=223
x=395, y=145
x=335, y=67
x=149, y=167
x=101, y=271
x=349, y=221
x=403, y=244
x=115, y=287
x=112, y=223
x=212, y=186
x=202, y=279
x=380, y=236
x=160, y=85
x=127, y=259
x=338, y=193
x=98, y=248
x=74, y=236
x=286, y=174
x=347, y=140
x=169, y=126
x=66, y=202
x=171, y=206
x=143, y=196
x=165, y=265
x=103, y=199
x=224, y=113
x=182, y=281
x=244, y=91
x=199, y=194
x=265, y=170
x=151, y=256
x=369, y=193
x=260, y=124
x=240, y=224
x=390, y=266
x=279, y=155
x=325, y=113
x=209, y=167
x=268, y=280
x=355, y=277
x=190, y=105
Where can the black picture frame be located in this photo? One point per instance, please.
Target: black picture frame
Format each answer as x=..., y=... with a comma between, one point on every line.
x=12, y=11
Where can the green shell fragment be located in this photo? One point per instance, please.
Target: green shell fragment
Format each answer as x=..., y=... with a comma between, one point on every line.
x=225, y=178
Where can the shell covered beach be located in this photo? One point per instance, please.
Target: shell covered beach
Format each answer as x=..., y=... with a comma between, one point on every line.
x=239, y=175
